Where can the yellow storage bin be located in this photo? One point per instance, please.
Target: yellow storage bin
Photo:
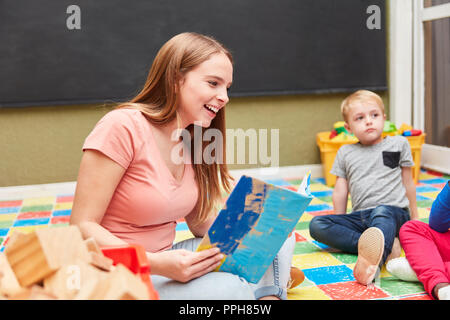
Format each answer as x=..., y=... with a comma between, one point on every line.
x=328, y=150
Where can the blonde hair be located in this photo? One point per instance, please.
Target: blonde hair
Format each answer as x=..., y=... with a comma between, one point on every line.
x=158, y=101
x=358, y=96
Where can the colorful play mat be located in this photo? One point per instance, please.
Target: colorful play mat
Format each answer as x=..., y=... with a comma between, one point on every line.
x=328, y=271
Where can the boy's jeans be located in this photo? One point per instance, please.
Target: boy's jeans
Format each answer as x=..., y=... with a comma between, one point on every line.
x=342, y=231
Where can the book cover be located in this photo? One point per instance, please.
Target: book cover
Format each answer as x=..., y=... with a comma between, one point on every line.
x=254, y=223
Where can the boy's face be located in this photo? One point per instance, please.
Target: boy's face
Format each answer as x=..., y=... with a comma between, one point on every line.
x=366, y=121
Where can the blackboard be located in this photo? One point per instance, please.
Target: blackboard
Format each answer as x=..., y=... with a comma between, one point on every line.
x=279, y=46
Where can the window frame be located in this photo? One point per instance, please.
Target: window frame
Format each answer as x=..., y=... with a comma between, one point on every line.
x=407, y=71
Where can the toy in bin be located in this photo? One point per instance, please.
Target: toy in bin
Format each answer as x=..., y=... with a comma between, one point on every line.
x=408, y=131
x=340, y=133
x=390, y=128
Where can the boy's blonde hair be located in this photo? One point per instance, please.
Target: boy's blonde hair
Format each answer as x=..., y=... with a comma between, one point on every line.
x=360, y=95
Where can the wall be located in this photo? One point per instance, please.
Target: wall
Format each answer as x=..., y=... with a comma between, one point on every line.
x=43, y=144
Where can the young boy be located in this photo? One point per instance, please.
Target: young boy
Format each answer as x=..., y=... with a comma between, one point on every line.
x=377, y=174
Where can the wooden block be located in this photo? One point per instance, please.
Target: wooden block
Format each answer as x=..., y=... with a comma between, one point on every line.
x=36, y=255
x=15, y=235
x=67, y=282
x=36, y=292
x=9, y=285
x=28, y=261
x=92, y=245
x=64, y=245
x=87, y=291
x=100, y=261
x=120, y=284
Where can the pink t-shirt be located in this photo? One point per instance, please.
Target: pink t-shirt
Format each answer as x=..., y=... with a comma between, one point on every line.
x=148, y=200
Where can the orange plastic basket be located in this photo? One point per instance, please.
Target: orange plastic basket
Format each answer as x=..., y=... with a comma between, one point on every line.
x=328, y=150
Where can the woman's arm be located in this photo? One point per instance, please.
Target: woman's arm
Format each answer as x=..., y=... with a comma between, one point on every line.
x=97, y=180
x=98, y=177
x=340, y=196
x=410, y=188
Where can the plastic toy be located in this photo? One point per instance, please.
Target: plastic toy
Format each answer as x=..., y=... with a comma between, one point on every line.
x=339, y=133
x=404, y=127
x=390, y=128
x=133, y=256
x=412, y=133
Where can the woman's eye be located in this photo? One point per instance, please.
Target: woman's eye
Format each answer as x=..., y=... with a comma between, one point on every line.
x=213, y=83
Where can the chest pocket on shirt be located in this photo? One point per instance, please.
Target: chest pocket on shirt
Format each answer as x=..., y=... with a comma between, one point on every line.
x=391, y=159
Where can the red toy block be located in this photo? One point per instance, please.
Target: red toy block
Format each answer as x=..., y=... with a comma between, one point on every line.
x=134, y=258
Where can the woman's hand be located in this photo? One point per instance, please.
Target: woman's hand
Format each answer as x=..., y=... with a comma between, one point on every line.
x=183, y=265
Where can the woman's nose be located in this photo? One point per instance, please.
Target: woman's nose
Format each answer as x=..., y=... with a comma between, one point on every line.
x=223, y=96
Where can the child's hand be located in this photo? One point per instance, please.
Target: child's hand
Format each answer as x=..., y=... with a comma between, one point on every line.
x=183, y=265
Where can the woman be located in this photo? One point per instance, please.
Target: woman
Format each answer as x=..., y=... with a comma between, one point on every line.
x=130, y=188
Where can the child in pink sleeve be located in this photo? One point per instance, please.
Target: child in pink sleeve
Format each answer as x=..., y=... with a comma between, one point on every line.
x=427, y=247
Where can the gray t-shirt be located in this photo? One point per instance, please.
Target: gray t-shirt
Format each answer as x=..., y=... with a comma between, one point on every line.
x=373, y=172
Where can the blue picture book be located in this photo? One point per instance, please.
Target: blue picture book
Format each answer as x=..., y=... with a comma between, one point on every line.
x=254, y=223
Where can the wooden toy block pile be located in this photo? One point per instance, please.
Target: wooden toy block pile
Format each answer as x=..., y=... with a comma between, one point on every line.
x=57, y=263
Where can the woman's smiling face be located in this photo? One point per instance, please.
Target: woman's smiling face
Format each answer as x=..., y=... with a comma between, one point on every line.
x=203, y=90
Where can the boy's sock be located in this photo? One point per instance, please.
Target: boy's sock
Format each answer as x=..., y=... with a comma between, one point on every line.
x=401, y=269
x=370, y=253
x=444, y=293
